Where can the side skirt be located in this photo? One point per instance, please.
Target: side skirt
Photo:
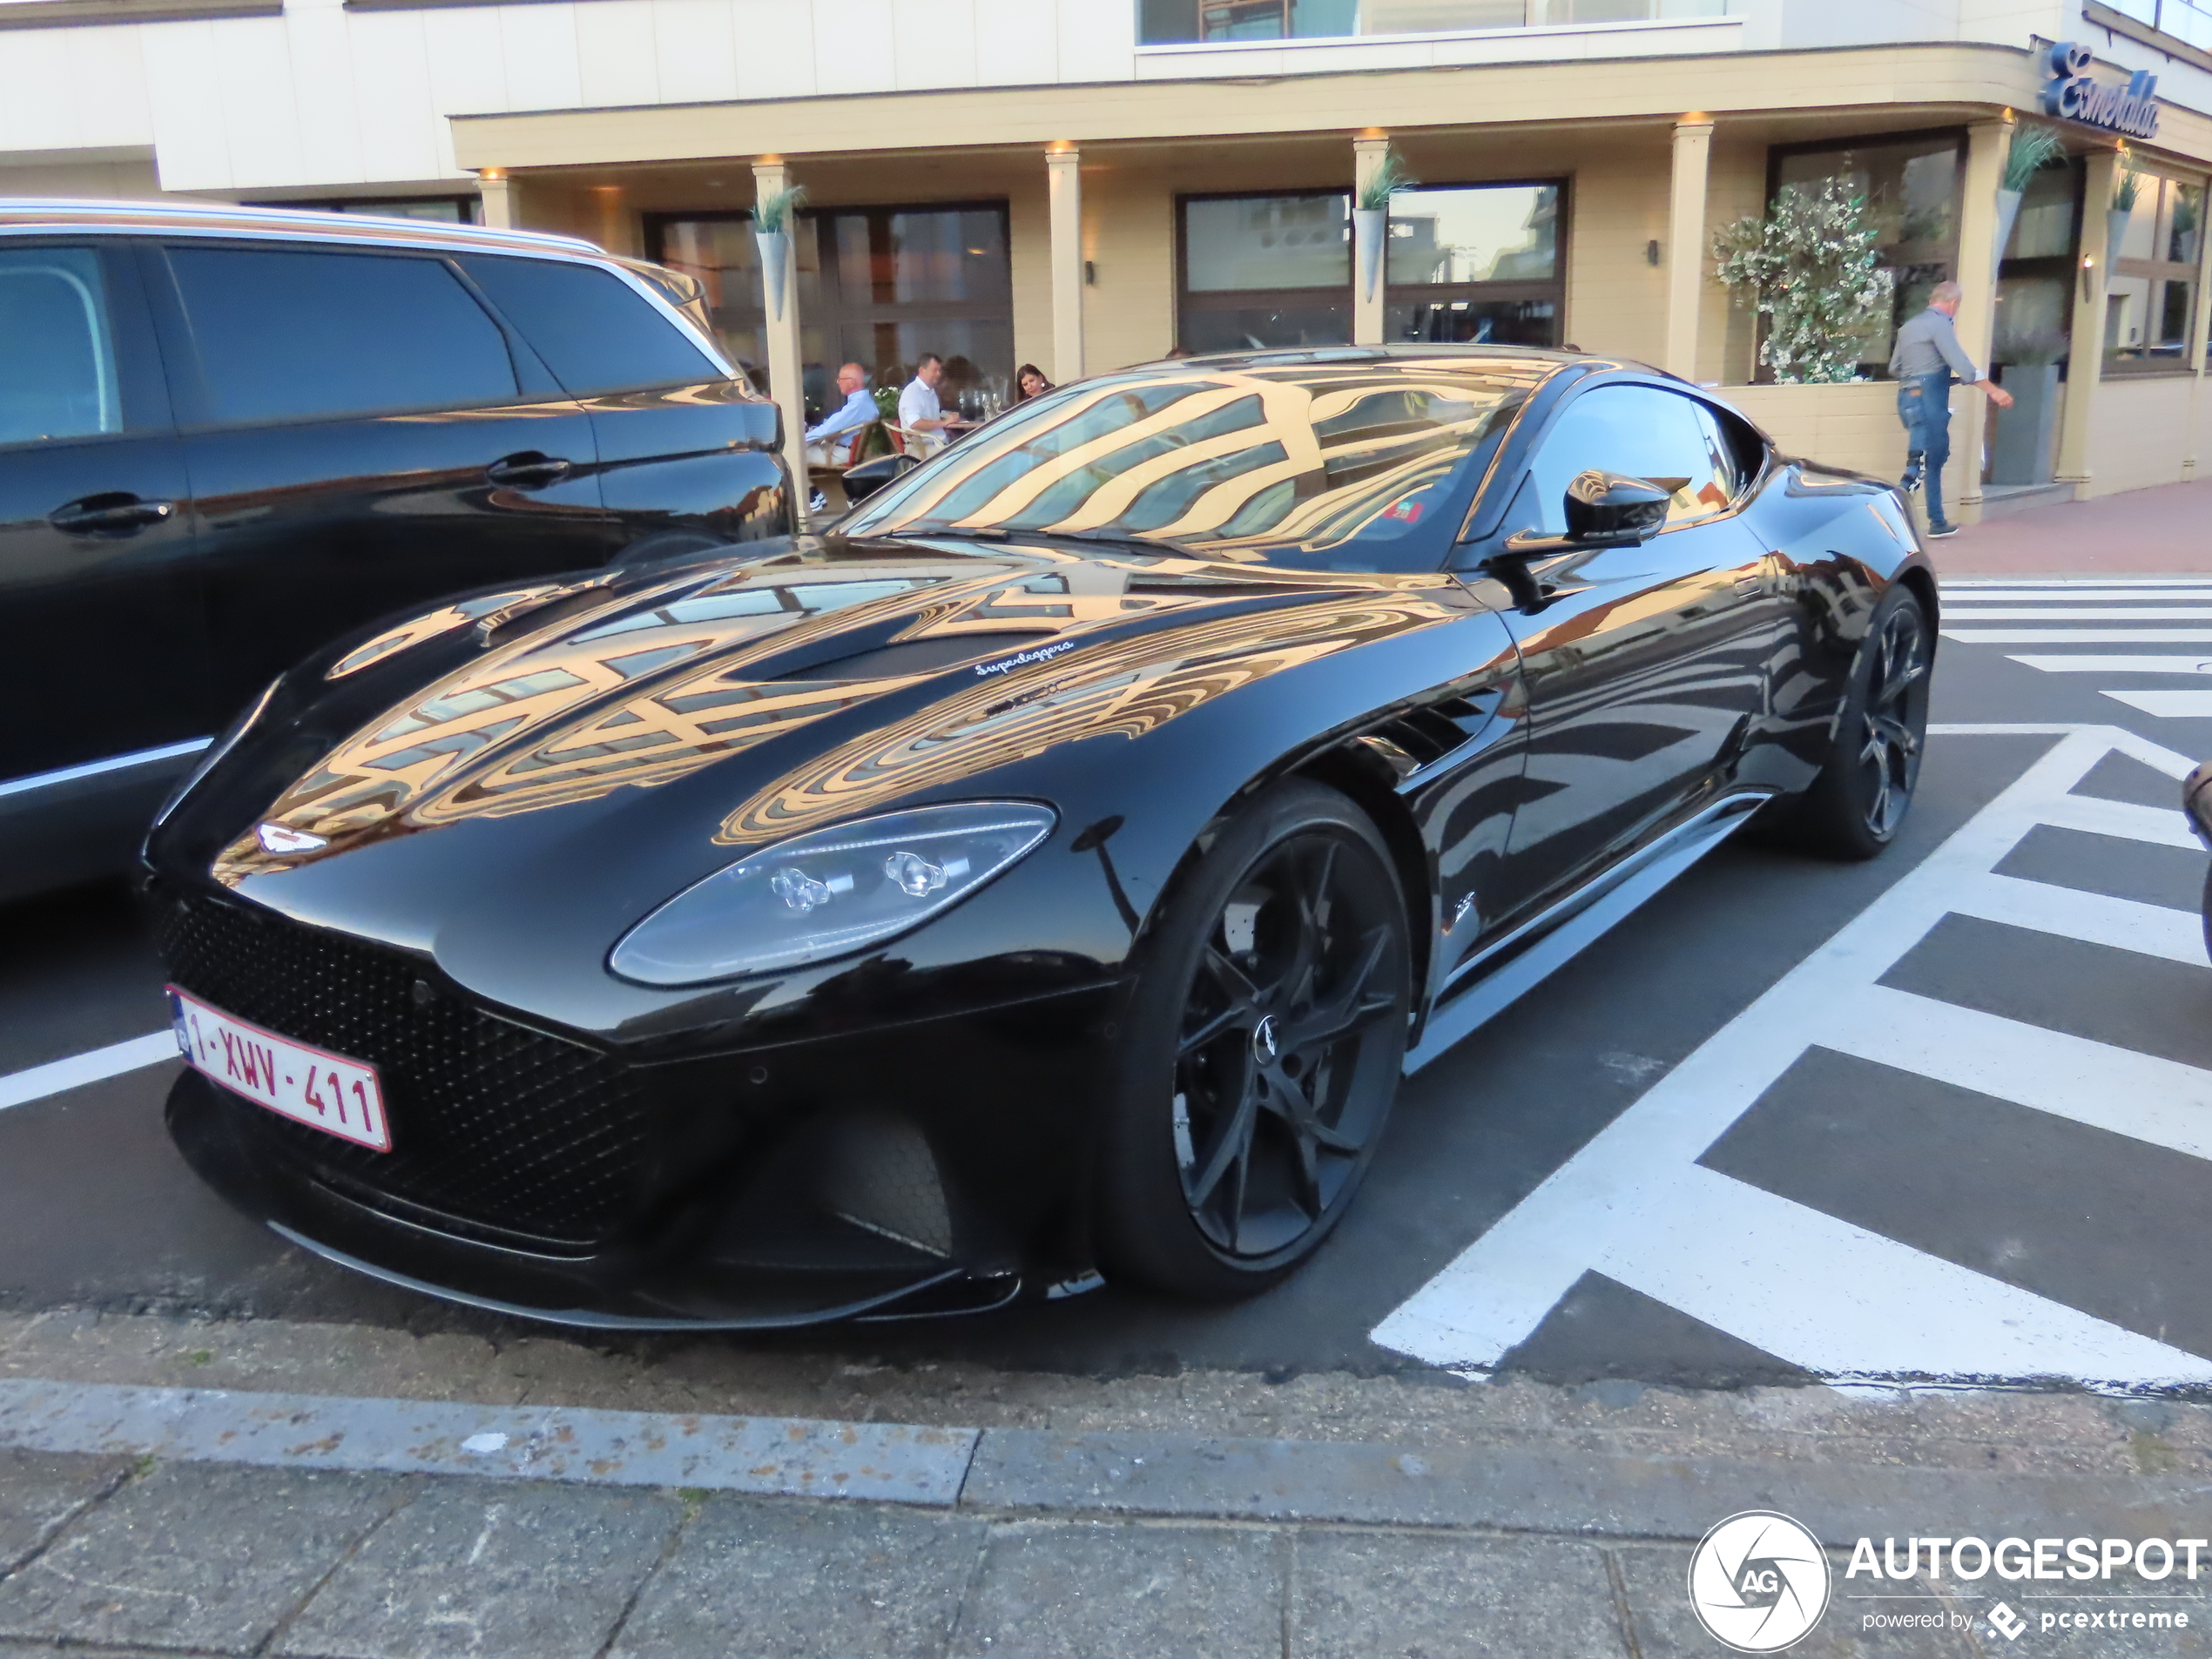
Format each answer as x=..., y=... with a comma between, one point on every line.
x=1546, y=943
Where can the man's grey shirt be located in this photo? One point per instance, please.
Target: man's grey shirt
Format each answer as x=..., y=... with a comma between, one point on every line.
x=1926, y=344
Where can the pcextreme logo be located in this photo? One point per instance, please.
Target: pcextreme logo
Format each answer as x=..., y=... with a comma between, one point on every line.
x=1758, y=1581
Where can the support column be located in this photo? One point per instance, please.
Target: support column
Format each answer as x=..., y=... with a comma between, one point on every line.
x=2198, y=326
x=771, y=177
x=501, y=196
x=1686, y=243
x=1368, y=151
x=1986, y=144
x=2085, y=363
x=1063, y=176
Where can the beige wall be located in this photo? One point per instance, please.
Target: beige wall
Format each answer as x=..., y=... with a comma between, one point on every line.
x=1854, y=425
x=126, y=178
x=1728, y=332
x=1129, y=234
x=2143, y=432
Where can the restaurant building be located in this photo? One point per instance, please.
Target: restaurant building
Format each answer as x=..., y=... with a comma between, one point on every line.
x=1086, y=184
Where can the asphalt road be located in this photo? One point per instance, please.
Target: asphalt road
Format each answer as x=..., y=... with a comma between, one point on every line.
x=1960, y=1140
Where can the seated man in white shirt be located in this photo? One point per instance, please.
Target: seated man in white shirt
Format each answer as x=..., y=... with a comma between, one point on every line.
x=832, y=442
x=918, y=412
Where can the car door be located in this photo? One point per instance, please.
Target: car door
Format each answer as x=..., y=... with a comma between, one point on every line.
x=102, y=648
x=687, y=453
x=362, y=435
x=1645, y=669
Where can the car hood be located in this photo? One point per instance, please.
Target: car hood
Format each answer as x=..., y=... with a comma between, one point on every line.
x=818, y=684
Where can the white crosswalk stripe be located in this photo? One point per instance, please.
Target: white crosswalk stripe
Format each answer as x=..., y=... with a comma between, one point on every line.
x=2119, y=604
x=1844, y=1303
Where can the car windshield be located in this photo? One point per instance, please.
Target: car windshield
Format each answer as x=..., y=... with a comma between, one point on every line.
x=1349, y=464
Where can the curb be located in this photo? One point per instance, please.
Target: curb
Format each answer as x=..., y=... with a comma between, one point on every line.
x=1511, y=1489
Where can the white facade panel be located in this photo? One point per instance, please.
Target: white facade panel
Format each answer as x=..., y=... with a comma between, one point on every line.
x=1017, y=43
x=695, y=51
x=538, y=45
x=615, y=55
x=398, y=118
x=933, y=43
x=854, y=48
x=775, y=49
x=323, y=93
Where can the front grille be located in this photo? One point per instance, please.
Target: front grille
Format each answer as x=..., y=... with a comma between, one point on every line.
x=492, y=1123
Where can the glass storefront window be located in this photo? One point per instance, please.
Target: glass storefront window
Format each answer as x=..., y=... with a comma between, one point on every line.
x=1263, y=271
x=1487, y=233
x=2151, y=299
x=877, y=286
x=1912, y=190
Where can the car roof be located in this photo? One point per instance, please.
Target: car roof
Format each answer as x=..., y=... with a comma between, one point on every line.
x=22, y=215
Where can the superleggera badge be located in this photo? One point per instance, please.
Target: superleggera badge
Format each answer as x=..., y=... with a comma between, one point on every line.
x=1024, y=658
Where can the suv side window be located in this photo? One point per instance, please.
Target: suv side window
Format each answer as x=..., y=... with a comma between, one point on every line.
x=1642, y=432
x=595, y=332
x=58, y=373
x=296, y=334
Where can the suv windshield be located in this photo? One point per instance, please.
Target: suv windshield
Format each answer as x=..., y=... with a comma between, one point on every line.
x=1346, y=465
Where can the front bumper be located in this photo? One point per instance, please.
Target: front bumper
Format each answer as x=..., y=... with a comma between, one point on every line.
x=908, y=1168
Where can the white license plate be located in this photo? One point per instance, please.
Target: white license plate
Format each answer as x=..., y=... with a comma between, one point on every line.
x=325, y=1091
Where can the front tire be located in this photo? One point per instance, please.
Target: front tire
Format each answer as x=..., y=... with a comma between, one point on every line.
x=1262, y=1055
x=1857, y=803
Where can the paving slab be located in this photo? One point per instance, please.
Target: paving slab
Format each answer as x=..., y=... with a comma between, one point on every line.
x=1654, y=1582
x=776, y=1579
x=40, y=1491
x=195, y=1556
x=1399, y=1596
x=476, y=1567
x=1111, y=1589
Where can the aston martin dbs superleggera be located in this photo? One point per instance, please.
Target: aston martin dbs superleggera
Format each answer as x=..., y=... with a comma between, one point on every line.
x=1048, y=872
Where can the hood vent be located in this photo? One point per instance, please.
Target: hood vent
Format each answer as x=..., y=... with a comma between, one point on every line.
x=918, y=656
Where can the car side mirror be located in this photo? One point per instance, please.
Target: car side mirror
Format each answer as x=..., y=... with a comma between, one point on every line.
x=1606, y=510
x=865, y=480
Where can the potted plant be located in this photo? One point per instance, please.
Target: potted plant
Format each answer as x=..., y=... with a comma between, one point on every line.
x=2033, y=148
x=771, y=218
x=1812, y=268
x=1371, y=218
x=2019, y=453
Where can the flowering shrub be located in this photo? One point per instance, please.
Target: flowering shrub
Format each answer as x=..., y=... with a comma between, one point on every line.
x=1811, y=267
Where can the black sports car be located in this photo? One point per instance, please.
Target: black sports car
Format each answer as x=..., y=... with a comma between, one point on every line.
x=1048, y=871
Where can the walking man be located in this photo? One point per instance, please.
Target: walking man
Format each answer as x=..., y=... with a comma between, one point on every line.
x=1926, y=360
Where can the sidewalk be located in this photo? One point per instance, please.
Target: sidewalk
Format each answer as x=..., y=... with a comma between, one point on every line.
x=1127, y=1519
x=2167, y=531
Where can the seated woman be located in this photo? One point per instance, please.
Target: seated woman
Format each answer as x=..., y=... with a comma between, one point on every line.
x=1030, y=382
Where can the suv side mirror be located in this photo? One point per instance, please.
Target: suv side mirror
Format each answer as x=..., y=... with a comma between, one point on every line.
x=865, y=480
x=1606, y=510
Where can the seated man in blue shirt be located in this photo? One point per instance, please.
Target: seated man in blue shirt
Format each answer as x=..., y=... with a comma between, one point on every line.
x=831, y=442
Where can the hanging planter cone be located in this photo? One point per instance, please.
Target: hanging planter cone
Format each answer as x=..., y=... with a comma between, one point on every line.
x=775, y=257
x=1367, y=226
x=2008, y=212
x=2115, y=237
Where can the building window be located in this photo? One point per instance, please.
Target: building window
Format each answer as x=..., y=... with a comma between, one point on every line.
x=2035, y=282
x=1261, y=270
x=1477, y=262
x=877, y=286
x=2151, y=299
x=1912, y=185
x=1178, y=23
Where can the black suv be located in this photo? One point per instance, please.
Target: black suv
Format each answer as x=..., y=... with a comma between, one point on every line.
x=229, y=436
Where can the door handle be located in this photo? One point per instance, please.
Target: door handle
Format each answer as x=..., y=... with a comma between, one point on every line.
x=529, y=470
x=108, y=514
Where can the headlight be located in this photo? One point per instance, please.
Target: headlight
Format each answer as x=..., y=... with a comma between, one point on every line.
x=829, y=893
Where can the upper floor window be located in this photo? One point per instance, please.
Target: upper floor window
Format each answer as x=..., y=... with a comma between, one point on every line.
x=1163, y=22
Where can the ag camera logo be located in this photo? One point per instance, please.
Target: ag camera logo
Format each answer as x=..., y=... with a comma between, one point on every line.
x=1758, y=1581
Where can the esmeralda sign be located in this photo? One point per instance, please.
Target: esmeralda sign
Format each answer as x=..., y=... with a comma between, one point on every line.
x=2074, y=95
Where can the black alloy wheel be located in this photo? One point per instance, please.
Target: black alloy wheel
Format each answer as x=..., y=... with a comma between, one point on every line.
x=1268, y=1033
x=1856, y=806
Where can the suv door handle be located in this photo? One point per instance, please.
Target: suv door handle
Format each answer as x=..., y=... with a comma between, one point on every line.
x=113, y=512
x=529, y=470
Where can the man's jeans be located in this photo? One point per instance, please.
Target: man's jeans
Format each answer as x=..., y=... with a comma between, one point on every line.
x=1923, y=404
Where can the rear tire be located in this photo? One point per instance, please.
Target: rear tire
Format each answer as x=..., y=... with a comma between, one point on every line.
x=1262, y=1053
x=1859, y=802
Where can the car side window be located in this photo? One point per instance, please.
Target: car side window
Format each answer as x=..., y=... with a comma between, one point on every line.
x=1640, y=432
x=58, y=373
x=295, y=334
x=595, y=332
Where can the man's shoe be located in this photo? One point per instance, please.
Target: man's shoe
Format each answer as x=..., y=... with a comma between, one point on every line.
x=1937, y=532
